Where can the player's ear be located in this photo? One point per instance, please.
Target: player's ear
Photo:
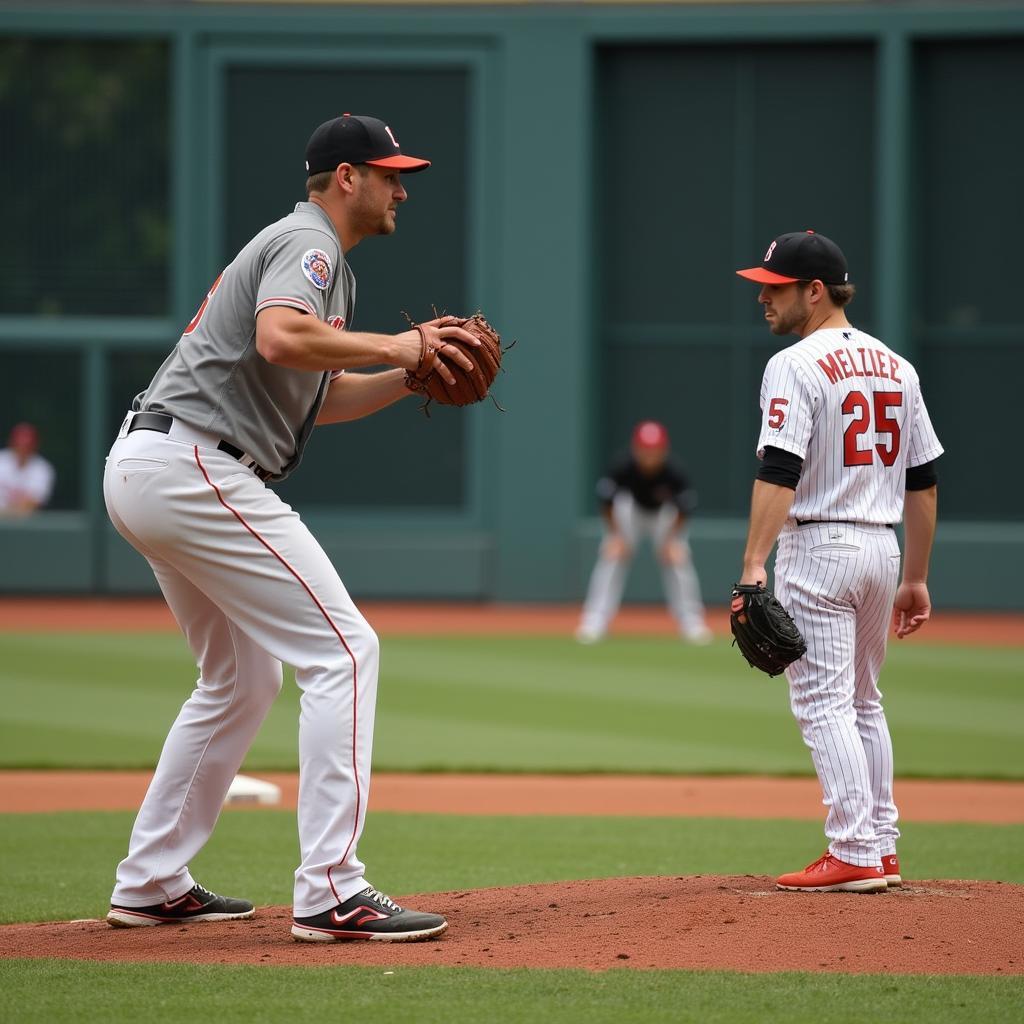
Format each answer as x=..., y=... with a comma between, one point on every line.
x=345, y=175
x=815, y=290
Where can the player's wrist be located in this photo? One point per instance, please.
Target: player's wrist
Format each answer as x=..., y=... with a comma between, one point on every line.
x=404, y=350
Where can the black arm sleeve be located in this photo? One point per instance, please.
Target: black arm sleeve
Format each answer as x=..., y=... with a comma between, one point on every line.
x=780, y=467
x=920, y=478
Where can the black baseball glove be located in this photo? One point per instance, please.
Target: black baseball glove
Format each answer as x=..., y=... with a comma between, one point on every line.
x=764, y=631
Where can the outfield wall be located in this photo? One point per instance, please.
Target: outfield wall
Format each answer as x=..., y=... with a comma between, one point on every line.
x=599, y=171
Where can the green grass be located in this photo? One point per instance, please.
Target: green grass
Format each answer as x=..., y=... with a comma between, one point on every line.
x=48, y=991
x=514, y=703
x=62, y=865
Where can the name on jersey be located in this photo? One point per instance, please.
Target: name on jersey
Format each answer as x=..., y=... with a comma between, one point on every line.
x=859, y=362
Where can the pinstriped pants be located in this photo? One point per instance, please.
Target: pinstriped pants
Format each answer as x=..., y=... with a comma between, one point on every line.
x=838, y=581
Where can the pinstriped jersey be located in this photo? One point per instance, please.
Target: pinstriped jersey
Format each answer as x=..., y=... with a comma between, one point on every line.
x=852, y=409
x=216, y=380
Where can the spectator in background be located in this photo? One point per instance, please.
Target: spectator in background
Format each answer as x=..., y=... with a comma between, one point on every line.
x=26, y=478
x=646, y=495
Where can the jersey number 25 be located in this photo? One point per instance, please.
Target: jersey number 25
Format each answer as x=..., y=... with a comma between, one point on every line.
x=857, y=405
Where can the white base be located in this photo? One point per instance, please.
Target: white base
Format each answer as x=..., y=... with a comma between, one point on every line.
x=246, y=790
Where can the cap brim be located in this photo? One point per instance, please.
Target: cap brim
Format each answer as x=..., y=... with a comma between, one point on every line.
x=763, y=276
x=409, y=164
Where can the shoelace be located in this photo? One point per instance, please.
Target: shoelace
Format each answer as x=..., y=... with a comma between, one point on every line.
x=819, y=863
x=384, y=901
x=202, y=890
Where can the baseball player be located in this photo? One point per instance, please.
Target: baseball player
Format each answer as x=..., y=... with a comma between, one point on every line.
x=26, y=478
x=646, y=495
x=847, y=450
x=262, y=363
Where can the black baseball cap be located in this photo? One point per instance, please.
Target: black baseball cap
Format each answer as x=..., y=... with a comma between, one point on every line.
x=800, y=256
x=357, y=139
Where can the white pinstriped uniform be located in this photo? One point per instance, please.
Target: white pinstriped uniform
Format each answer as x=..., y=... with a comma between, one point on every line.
x=852, y=409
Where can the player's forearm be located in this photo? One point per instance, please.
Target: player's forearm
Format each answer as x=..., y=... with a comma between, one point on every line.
x=769, y=508
x=286, y=337
x=919, y=513
x=355, y=395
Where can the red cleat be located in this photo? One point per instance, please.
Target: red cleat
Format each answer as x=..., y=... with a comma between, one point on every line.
x=891, y=868
x=828, y=874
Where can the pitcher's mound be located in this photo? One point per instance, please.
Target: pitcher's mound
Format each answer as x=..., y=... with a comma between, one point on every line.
x=702, y=922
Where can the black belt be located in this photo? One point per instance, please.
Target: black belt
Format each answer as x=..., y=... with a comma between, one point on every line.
x=162, y=422
x=839, y=522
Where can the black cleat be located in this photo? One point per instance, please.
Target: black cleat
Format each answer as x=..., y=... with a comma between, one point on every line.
x=198, y=904
x=368, y=915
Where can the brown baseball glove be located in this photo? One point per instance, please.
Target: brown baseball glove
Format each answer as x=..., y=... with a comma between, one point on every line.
x=470, y=385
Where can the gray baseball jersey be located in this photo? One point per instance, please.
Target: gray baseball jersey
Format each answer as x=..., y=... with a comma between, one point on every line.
x=215, y=380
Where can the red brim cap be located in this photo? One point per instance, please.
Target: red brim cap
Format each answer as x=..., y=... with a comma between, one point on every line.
x=650, y=434
x=763, y=276
x=409, y=164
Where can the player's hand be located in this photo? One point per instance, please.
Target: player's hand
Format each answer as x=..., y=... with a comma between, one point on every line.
x=437, y=354
x=754, y=574
x=911, y=609
x=616, y=547
x=672, y=552
x=443, y=327
x=451, y=353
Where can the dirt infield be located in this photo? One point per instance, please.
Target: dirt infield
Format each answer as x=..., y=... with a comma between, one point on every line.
x=702, y=922
x=696, y=923
x=140, y=614
x=617, y=795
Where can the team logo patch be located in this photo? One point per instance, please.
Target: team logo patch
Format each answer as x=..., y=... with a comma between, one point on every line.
x=316, y=265
x=337, y=322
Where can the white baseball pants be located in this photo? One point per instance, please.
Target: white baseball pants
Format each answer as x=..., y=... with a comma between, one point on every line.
x=250, y=588
x=838, y=582
x=608, y=579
